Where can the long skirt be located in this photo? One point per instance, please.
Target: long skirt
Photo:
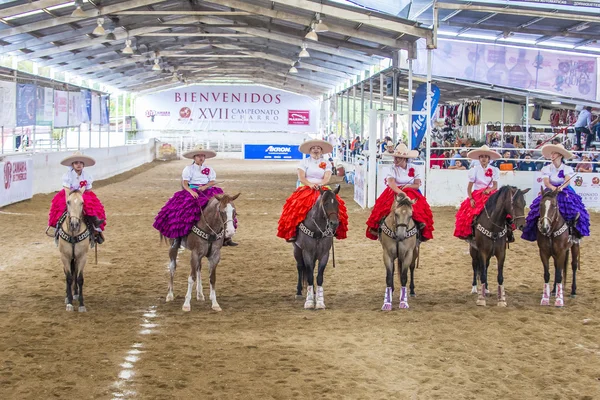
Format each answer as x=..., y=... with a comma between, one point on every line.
x=569, y=204
x=182, y=211
x=463, y=227
x=91, y=207
x=383, y=205
x=297, y=207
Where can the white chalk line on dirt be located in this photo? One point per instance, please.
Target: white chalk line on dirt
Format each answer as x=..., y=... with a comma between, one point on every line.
x=14, y=213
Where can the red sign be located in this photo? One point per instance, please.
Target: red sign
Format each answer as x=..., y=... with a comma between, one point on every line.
x=298, y=117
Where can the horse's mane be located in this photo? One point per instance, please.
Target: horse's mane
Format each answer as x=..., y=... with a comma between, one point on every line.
x=549, y=193
x=492, y=202
x=404, y=201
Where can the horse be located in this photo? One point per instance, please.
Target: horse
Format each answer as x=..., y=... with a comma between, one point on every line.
x=399, y=240
x=205, y=240
x=71, y=240
x=554, y=240
x=314, y=240
x=490, y=236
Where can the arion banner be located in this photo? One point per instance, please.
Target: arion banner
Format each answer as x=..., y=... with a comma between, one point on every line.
x=419, y=122
x=26, y=104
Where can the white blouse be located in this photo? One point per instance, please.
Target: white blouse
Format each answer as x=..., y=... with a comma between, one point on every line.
x=551, y=172
x=402, y=175
x=198, y=174
x=314, y=170
x=480, y=181
x=73, y=181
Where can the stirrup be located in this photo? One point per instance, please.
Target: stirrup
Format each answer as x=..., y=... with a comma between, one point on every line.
x=48, y=234
x=291, y=240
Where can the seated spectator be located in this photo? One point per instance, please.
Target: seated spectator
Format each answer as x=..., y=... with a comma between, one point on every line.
x=437, y=157
x=462, y=153
x=506, y=161
x=584, y=165
x=458, y=165
x=527, y=164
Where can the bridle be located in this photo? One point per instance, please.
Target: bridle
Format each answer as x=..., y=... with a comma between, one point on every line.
x=328, y=231
x=551, y=220
x=512, y=209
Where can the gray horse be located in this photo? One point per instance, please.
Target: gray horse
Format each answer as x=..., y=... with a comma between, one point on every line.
x=399, y=240
x=314, y=240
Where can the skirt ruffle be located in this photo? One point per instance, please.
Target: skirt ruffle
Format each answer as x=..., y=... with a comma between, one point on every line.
x=465, y=215
x=182, y=211
x=569, y=204
x=91, y=207
x=383, y=205
x=297, y=207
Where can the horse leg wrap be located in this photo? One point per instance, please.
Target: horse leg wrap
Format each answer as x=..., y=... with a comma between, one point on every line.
x=501, y=296
x=387, y=300
x=545, y=295
x=310, y=298
x=320, y=303
x=481, y=295
x=403, y=297
x=559, y=302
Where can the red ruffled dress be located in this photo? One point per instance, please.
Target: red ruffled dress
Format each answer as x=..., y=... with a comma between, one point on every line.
x=298, y=205
x=383, y=205
x=482, y=180
x=91, y=204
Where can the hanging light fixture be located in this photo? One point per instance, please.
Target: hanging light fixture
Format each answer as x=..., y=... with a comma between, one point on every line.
x=320, y=27
x=99, y=31
x=293, y=69
x=111, y=36
x=312, y=35
x=304, y=53
x=128, y=50
x=156, y=66
x=78, y=12
x=175, y=78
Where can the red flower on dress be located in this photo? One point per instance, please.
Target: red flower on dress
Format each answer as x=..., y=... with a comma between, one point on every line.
x=411, y=172
x=82, y=184
x=322, y=165
x=206, y=171
x=488, y=172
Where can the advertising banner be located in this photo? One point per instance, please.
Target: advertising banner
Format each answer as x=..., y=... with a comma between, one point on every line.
x=26, y=103
x=8, y=95
x=587, y=185
x=74, y=108
x=228, y=108
x=17, y=184
x=45, y=104
x=95, y=108
x=271, y=152
x=419, y=122
x=61, y=109
x=360, y=185
x=563, y=74
x=104, y=110
x=86, y=106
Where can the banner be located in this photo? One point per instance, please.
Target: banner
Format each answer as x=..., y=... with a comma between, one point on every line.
x=419, y=122
x=45, y=104
x=8, y=95
x=95, y=108
x=104, y=110
x=61, y=109
x=271, y=152
x=228, y=108
x=563, y=74
x=360, y=185
x=86, y=106
x=26, y=103
x=17, y=184
x=587, y=185
x=74, y=108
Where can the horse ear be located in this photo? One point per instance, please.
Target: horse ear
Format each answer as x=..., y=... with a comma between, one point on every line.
x=219, y=196
x=413, y=201
x=541, y=190
x=526, y=190
x=235, y=197
x=337, y=189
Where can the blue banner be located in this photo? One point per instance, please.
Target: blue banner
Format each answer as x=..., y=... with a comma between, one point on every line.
x=271, y=152
x=26, y=104
x=104, y=110
x=86, y=104
x=419, y=122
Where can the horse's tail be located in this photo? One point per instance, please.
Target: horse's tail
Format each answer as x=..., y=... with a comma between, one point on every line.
x=163, y=238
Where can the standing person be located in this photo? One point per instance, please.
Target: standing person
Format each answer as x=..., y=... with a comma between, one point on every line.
x=403, y=176
x=584, y=125
x=483, y=182
x=78, y=179
x=556, y=176
x=313, y=175
x=182, y=211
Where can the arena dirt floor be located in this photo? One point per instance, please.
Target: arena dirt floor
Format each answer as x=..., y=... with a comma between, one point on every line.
x=264, y=345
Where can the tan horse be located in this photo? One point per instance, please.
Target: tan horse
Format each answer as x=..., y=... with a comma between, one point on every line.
x=73, y=243
x=205, y=240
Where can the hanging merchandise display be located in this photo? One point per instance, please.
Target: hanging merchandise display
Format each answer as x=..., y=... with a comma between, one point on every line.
x=560, y=117
x=472, y=113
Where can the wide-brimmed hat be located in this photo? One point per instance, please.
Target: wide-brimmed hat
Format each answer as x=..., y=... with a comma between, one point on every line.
x=305, y=147
x=483, y=151
x=78, y=156
x=402, y=151
x=548, y=149
x=199, y=150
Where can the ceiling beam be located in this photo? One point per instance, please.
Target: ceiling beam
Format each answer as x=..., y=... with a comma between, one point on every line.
x=303, y=63
x=194, y=34
x=28, y=7
x=531, y=31
x=182, y=12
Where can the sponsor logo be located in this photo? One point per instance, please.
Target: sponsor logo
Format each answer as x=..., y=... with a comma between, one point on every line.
x=153, y=113
x=273, y=149
x=539, y=179
x=595, y=181
x=7, y=174
x=185, y=112
x=579, y=181
x=298, y=117
x=14, y=172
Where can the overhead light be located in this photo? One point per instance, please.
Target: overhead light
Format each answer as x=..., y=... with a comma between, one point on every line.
x=175, y=77
x=99, y=31
x=111, y=36
x=156, y=66
x=164, y=71
x=312, y=35
x=293, y=70
x=321, y=27
x=137, y=52
x=78, y=12
x=556, y=102
x=128, y=49
x=304, y=53
x=530, y=105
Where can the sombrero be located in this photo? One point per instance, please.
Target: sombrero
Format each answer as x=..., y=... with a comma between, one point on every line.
x=78, y=156
x=305, y=147
x=483, y=151
x=403, y=152
x=548, y=149
x=199, y=150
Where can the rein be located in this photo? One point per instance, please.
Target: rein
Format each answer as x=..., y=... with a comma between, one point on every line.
x=73, y=239
x=321, y=234
x=497, y=235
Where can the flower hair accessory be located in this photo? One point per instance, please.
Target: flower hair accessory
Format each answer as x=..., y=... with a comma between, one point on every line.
x=411, y=172
x=488, y=172
x=322, y=165
x=82, y=184
x=206, y=171
x=561, y=174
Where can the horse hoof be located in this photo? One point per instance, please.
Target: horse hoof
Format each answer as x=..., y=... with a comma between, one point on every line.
x=309, y=305
x=170, y=297
x=216, y=308
x=404, y=305
x=474, y=290
x=386, y=307
x=69, y=307
x=573, y=295
x=559, y=303
x=186, y=308
x=501, y=304
x=413, y=295
x=320, y=305
x=299, y=297
x=545, y=302
x=481, y=303
x=82, y=309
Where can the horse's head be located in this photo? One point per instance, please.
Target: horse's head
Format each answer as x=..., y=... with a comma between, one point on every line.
x=330, y=206
x=75, y=210
x=227, y=210
x=403, y=212
x=517, y=199
x=548, y=211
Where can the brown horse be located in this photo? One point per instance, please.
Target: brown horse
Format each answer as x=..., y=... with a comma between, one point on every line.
x=205, y=240
x=490, y=236
x=554, y=240
x=399, y=234
x=73, y=246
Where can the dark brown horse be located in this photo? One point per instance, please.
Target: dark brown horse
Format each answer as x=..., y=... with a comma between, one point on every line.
x=205, y=240
x=554, y=240
x=490, y=236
